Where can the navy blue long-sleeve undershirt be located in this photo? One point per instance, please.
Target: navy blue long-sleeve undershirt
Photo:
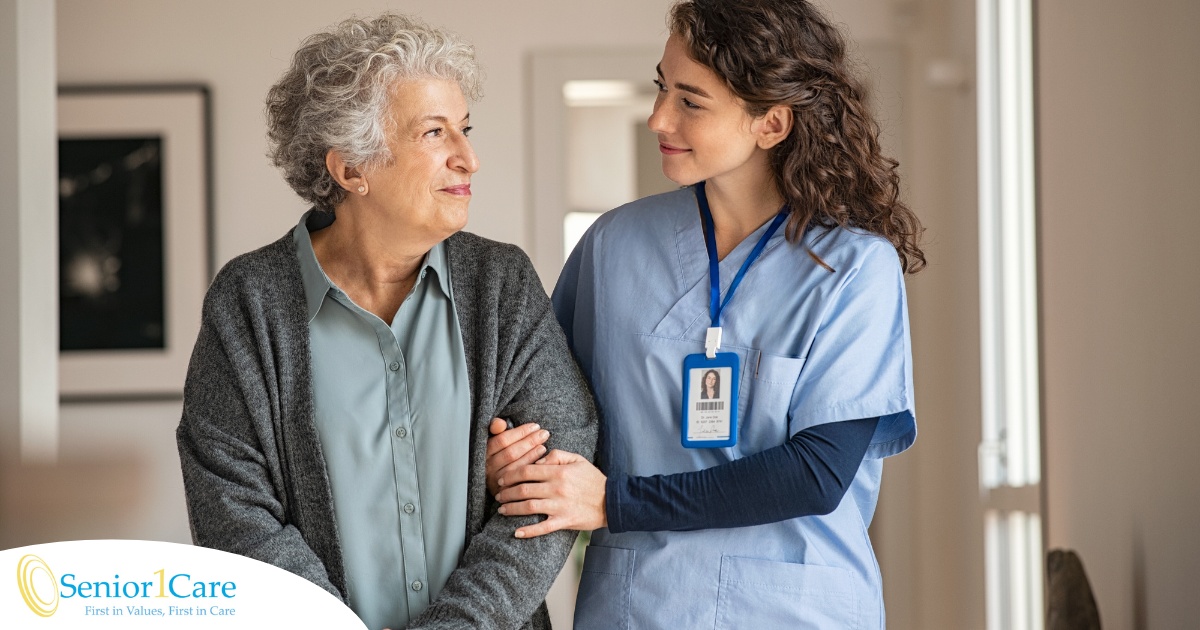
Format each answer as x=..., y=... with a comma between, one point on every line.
x=809, y=474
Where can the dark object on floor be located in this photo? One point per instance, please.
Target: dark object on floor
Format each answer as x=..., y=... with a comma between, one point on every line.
x=1071, y=605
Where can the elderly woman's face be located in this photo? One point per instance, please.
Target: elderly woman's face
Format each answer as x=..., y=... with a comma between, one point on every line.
x=427, y=187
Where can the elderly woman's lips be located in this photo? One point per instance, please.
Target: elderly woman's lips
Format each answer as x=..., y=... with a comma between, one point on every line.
x=464, y=189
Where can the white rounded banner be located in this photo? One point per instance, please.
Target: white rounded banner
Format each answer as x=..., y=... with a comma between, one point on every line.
x=144, y=584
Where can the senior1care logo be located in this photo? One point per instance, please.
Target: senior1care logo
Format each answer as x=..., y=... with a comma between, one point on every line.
x=133, y=583
x=31, y=580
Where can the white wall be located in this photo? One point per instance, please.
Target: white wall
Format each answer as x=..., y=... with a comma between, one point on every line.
x=600, y=156
x=1120, y=211
x=29, y=339
x=929, y=529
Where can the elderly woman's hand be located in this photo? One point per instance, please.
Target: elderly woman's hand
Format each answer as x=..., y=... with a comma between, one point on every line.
x=564, y=486
x=509, y=449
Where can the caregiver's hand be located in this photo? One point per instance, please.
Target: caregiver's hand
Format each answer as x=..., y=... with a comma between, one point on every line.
x=512, y=448
x=564, y=486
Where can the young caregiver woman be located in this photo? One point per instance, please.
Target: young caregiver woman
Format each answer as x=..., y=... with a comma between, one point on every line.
x=780, y=268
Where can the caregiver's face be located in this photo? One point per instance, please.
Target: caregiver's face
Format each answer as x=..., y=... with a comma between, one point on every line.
x=704, y=131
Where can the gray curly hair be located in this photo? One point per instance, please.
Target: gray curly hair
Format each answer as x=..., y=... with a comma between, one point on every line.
x=335, y=96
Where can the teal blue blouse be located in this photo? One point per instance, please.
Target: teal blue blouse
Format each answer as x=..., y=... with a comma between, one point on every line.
x=392, y=407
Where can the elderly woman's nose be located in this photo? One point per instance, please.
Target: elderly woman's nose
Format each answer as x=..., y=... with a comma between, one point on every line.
x=464, y=158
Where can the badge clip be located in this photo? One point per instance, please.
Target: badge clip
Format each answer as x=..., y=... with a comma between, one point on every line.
x=712, y=342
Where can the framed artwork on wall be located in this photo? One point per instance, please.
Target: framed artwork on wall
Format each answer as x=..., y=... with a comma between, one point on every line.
x=135, y=224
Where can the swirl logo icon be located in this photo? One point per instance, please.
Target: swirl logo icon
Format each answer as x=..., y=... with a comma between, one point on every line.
x=32, y=576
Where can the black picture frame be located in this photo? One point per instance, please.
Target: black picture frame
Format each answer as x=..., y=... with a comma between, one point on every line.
x=135, y=226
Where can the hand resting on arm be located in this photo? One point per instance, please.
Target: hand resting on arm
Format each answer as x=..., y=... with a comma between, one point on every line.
x=809, y=474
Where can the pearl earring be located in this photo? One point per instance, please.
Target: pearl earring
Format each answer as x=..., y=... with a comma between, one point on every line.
x=362, y=189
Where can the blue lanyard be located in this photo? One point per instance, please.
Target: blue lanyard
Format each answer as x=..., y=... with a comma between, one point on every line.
x=715, y=305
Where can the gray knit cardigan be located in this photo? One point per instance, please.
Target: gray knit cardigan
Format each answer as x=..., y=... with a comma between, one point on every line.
x=253, y=471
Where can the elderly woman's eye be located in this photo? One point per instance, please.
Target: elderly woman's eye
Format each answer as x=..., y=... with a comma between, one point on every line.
x=433, y=133
x=467, y=131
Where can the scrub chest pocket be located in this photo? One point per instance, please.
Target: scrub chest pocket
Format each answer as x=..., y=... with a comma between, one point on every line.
x=768, y=381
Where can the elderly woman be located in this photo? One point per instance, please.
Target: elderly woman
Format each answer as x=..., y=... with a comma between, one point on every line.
x=336, y=408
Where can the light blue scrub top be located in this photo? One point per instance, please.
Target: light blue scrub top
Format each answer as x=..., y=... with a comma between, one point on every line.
x=815, y=347
x=392, y=406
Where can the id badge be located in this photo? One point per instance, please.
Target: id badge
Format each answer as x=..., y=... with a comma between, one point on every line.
x=710, y=395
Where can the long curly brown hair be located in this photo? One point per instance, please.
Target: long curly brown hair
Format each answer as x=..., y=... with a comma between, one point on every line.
x=829, y=169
